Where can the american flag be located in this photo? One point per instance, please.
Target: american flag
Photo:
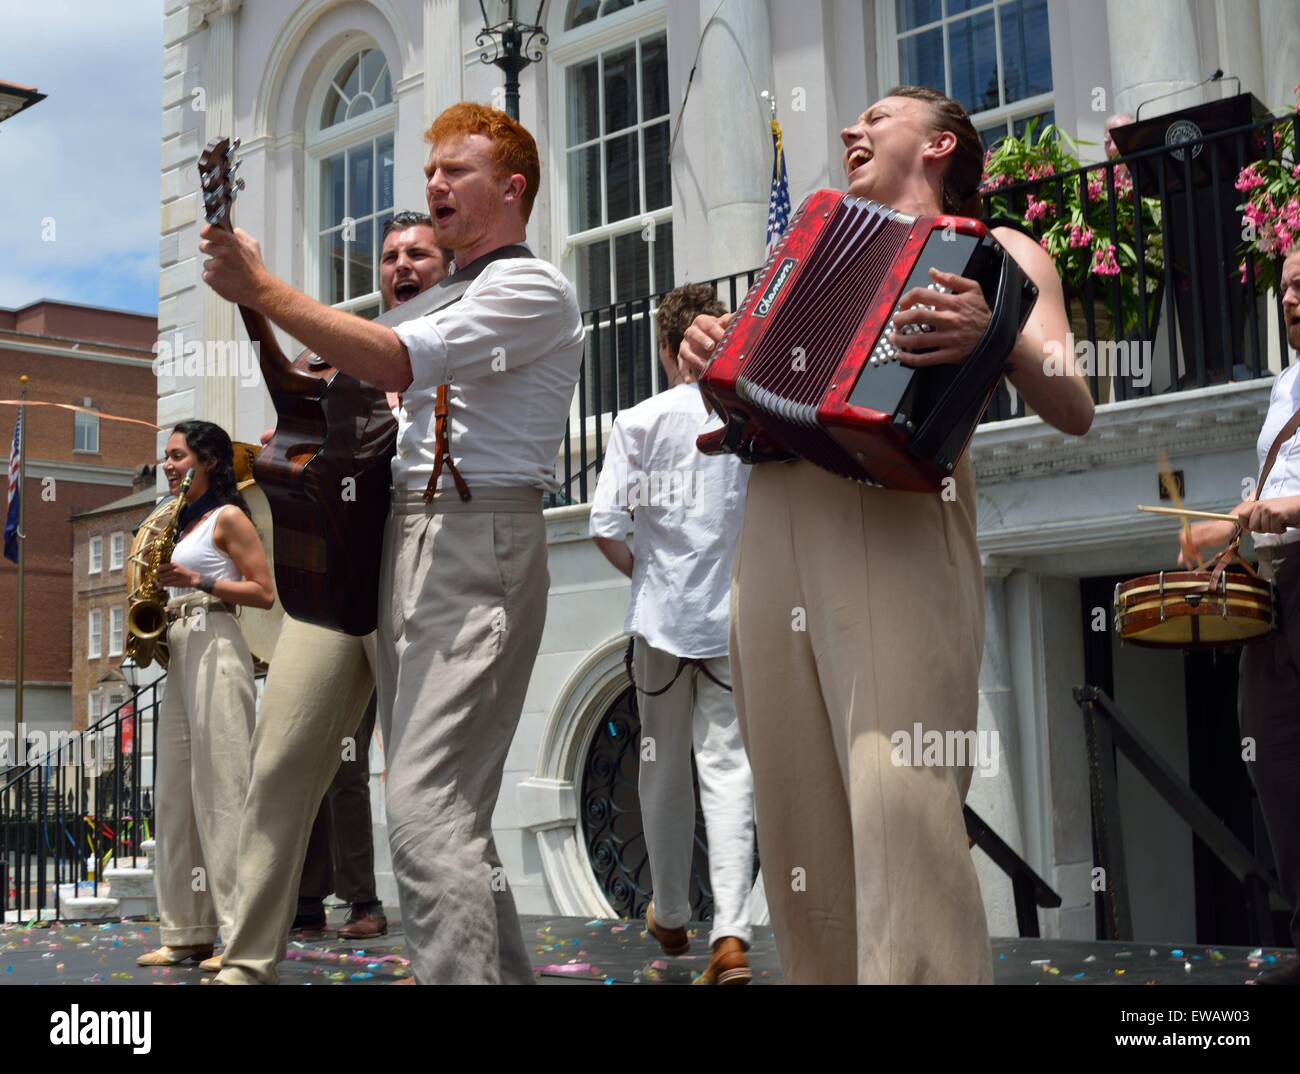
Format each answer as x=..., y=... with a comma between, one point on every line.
x=11, y=519
x=778, y=204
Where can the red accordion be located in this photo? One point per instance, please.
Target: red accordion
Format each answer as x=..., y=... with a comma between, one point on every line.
x=806, y=368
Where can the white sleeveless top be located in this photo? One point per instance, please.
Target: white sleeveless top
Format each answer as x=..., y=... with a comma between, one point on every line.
x=198, y=552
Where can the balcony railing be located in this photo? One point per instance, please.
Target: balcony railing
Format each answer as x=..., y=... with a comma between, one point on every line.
x=1196, y=324
x=78, y=806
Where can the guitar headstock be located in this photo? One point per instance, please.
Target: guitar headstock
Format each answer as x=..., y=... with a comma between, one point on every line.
x=217, y=167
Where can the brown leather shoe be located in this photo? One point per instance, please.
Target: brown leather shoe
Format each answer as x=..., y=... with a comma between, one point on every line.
x=211, y=965
x=728, y=965
x=364, y=923
x=673, y=942
x=174, y=956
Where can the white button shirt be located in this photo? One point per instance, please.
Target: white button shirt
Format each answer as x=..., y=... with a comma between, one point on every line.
x=685, y=509
x=1284, y=478
x=511, y=349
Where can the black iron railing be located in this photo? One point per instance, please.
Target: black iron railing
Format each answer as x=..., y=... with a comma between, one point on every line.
x=1111, y=733
x=84, y=803
x=1221, y=326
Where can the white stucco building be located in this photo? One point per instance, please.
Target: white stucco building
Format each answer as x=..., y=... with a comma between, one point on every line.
x=646, y=185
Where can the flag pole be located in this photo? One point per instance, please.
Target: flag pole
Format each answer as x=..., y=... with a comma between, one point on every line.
x=19, y=746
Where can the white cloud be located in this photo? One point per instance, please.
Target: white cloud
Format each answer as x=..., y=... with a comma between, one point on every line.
x=87, y=157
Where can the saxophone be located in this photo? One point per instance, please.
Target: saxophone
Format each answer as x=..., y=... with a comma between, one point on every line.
x=146, y=618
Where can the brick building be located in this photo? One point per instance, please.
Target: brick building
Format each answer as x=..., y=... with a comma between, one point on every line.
x=101, y=542
x=76, y=462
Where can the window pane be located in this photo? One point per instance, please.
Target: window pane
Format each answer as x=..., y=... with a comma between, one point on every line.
x=372, y=62
x=610, y=6
x=369, y=312
x=1044, y=119
x=920, y=59
x=663, y=280
x=385, y=147
x=582, y=12
x=620, y=89
x=973, y=53
x=654, y=78
x=658, y=179
x=349, y=76
x=622, y=193
x=360, y=106
x=361, y=162
x=1026, y=57
x=361, y=259
x=331, y=268
x=383, y=93
x=335, y=110
x=956, y=7
x=584, y=188
x=584, y=102
x=912, y=13
x=990, y=136
x=631, y=266
x=331, y=191
x=593, y=274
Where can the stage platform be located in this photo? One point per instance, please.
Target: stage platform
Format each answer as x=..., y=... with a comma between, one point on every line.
x=580, y=951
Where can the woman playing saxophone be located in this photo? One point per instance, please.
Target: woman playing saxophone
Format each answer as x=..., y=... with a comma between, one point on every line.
x=205, y=725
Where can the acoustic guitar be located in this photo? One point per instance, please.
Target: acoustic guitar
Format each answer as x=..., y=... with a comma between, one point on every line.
x=327, y=470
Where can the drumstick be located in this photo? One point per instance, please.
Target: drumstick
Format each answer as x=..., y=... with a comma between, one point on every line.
x=1183, y=512
x=1171, y=490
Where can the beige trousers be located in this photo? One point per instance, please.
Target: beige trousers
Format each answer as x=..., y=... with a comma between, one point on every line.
x=462, y=604
x=316, y=692
x=856, y=614
x=201, y=747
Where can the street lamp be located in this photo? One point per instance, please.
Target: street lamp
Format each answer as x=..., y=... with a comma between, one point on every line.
x=511, y=45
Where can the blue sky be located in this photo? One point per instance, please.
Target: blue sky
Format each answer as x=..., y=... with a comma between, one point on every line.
x=86, y=158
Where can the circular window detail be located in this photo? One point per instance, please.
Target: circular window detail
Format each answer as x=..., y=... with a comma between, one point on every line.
x=611, y=818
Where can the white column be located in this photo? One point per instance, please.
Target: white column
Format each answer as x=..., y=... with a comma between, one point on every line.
x=995, y=792
x=217, y=394
x=444, y=66
x=1240, y=44
x=735, y=66
x=1153, y=51
x=1279, y=24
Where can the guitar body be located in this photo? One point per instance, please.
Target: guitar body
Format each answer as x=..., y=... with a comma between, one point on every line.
x=326, y=472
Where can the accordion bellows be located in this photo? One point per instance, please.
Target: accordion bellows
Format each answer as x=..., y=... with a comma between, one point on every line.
x=806, y=368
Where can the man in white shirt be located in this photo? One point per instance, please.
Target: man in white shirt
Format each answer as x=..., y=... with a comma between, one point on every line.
x=464, y=582
x=686, y=509
x=1268, y=692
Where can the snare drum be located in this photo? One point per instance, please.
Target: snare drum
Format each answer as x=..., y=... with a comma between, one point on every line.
x=1193, y=610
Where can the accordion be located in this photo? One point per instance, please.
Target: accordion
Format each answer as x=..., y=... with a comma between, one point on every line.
x=805, y=368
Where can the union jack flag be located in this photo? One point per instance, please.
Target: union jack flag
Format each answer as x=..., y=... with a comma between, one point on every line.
x=11, y=519
x=778, y=204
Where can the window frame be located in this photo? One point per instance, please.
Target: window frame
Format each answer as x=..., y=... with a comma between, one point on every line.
x=568, y=48
x=80, y=420
x=117, y=551
x=321, y=144
x=95, y=555
x=1005, y=114
x=116, y=630
x=95, y=634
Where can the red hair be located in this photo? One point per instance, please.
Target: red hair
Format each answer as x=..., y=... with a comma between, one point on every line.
x=514, y=149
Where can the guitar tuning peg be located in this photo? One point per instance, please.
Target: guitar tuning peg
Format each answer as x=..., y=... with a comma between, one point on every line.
x=209, y=196
x=235, y=166
x=239, y=184
x=234, y=145
x=217, y=215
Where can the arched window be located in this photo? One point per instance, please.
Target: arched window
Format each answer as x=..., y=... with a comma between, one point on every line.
x=350, y=145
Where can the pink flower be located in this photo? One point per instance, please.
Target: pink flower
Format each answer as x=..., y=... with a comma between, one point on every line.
x=1248, y=179
x=1036, y=209
x=1080, y=237
x=1095, y=187
x=1043, y=242
x=1295, y=172
x=1103, y=261
x=1242, y=266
